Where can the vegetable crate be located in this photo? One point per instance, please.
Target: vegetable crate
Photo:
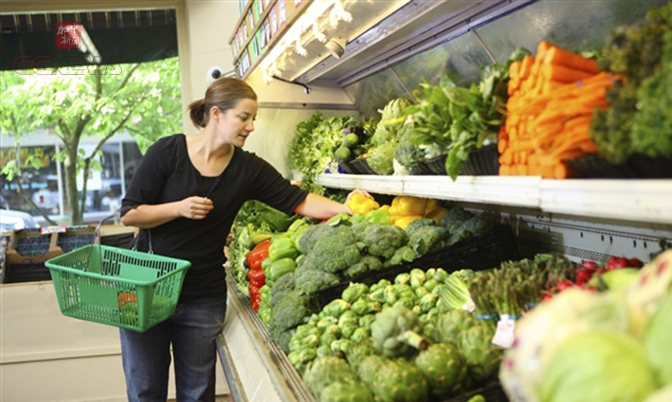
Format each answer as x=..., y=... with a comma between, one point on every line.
x=118, y=287
x=476, y=253
x=28, y=249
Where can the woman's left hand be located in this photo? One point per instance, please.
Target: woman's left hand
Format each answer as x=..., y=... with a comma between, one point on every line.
x=358, y=191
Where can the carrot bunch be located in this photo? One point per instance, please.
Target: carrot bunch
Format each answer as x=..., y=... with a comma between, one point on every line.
x=551, y=100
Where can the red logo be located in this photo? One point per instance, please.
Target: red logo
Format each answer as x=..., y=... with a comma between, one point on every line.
x=68, y=35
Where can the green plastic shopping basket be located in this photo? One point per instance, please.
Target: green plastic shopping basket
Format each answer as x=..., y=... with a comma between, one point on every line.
x=124, y=288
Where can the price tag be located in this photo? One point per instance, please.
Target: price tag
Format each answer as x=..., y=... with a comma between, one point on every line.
x=469, y=306
x=53, y=229
x=504, y=335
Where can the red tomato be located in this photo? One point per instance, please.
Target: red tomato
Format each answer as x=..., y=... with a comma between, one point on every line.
x=562, y=285
x=583, y=276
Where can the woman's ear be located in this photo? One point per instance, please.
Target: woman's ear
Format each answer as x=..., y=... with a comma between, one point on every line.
x=214, y=113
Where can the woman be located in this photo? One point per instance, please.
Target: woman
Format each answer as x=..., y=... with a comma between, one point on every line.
x=185, y=195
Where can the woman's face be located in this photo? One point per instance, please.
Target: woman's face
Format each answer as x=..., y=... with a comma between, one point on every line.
x=234, y=125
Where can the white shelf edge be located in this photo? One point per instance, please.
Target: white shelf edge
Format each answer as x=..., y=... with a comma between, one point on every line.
x=631, y=200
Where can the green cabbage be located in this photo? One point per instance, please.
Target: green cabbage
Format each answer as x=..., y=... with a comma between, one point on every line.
x=662, y=395
x=541, y=332
x=600, y=366
x=657, y=342
x=380, y=158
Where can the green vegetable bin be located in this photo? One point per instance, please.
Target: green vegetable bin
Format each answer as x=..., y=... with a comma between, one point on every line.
x=118, y=287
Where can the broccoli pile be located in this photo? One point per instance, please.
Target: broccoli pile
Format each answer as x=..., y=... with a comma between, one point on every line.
x=380, y=240
x=287, y=313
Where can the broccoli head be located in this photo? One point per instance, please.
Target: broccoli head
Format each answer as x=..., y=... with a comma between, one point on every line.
x=401, y=255
x=310, y=236
x=380, y=240
x=290, y=311
x=417, y=224
x=475, y=226
x=366, y=263
x=335, y=249
x=478, y=226
x=283, y=338
x=309, y=279
x=282, y=287
x=427, y=238
x=455, y=218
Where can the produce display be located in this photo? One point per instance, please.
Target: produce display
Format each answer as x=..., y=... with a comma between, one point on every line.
x=543, y=328
x=639, y=119
x=606, y=346
x=430, y=335
x=543, y=112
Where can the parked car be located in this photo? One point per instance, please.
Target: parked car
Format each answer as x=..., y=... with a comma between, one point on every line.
x=16, y=220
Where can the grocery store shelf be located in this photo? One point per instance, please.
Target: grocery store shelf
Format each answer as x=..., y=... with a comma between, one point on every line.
x=630, y=200
x=634, y=200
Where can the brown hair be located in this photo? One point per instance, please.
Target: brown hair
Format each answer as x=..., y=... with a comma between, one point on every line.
x=224, y=93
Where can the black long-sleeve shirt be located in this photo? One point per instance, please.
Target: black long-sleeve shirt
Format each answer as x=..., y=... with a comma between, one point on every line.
x=165, y=174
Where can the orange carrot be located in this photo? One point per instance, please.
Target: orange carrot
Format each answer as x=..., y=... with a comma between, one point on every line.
x=542, y=48
x=562, y=171
x=526, y=67
x=506, y=158
x=563, y=57
x=502, y=144
x=515, y=69
x=563, y=74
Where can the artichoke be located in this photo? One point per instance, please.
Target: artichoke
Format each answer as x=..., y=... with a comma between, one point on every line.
x=357, y=351
x=453, y=324
x=444, y=368
x=355, y=391
x=327, y=370
x=481, y=355
x=398, y=380
x=397, y=331
x=368, y=367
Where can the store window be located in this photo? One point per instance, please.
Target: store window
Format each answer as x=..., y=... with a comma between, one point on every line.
x=100, y=74
x=39, y=185
x=105, y=188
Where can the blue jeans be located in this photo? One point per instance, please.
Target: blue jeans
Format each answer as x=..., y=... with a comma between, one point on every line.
x=192, y=331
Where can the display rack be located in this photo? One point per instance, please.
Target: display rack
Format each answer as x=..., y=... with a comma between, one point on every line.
x=630, y=200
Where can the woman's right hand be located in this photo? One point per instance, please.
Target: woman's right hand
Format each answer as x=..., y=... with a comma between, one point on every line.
x=195, y=207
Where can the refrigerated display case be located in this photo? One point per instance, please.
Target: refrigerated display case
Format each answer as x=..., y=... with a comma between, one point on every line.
x=387, y=54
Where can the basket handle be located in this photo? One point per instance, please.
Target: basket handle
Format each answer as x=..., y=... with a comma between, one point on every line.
x=97, y=236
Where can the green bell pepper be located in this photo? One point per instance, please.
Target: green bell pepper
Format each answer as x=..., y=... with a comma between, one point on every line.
x=265, y=265
x=282, y=247
x=265, y=292
x=281, y=267
x=358, y=217
x=265, y=314
x=381, y=216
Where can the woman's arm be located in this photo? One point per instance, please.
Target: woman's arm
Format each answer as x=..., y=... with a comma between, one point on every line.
x=149, y=216
x=319, y=207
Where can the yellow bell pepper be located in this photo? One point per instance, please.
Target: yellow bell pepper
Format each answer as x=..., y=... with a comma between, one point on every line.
x=408, y=205
x=403, y=221
x=436, y=214
x=431, y=205
x=361, y=204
